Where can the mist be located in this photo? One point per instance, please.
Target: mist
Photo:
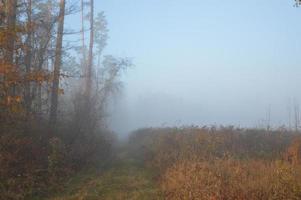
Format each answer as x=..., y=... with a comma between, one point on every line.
x=143, y=99
x=206, y=63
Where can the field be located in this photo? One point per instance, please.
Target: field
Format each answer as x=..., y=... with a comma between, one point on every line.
x=197, y=163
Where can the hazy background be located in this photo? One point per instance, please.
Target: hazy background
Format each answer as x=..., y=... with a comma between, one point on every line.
x=204, y=62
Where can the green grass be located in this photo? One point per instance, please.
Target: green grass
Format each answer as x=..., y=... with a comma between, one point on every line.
x=126, y=180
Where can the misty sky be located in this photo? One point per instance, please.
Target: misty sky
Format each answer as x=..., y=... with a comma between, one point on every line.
x=203, y=61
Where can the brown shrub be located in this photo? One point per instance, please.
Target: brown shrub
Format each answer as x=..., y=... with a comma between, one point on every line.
x=293, y=153
x=232, y=180
x=221, y=163
x=23, y=161
x=161, y=148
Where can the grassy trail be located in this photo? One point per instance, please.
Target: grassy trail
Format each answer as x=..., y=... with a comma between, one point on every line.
x=127, y=180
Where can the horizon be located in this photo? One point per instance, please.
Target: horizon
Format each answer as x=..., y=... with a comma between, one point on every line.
x=228, y=63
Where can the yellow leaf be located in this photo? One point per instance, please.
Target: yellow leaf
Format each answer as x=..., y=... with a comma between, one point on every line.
x=61, y=91
x=18, y=99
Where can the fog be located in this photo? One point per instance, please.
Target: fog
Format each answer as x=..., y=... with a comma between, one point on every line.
x=150, y=99
x=243, y=99
x=205, y=62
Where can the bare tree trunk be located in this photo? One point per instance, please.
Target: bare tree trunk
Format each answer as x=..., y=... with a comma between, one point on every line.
x=90, y=58
x=268, y=119
x=290, y=111
x=42, y=58
x=297, y=116
x=83, y=38
x=28, y=59
x=11, y=25
x=11, y=9
x=57, y=66
x=10, y=45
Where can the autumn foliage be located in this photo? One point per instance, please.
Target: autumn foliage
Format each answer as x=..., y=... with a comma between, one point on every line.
x=221, y=163
x=37, y=157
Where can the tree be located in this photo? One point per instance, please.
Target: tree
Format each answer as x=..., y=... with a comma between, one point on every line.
x=83, y=36
x=57, y=66
x=35, y=67
x=28, y=57
x=44, y=38
x=90, y=56
x=11, y=26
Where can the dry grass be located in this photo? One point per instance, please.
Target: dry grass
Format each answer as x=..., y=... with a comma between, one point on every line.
x=222, y=163
x=125, y=181
x=232, y=180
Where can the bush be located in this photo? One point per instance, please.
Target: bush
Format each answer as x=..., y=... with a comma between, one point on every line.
x=232, y=180
x=161, y=148
x=221, y=163
x=23, y=162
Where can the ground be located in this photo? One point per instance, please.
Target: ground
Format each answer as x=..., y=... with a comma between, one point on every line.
x=126, y=180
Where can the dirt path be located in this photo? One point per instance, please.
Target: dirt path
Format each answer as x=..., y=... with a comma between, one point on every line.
x=126, y=181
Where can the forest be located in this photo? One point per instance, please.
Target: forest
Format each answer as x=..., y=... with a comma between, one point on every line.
x=57, y=88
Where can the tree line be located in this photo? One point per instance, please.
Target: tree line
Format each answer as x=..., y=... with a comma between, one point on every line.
x=53, y=94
